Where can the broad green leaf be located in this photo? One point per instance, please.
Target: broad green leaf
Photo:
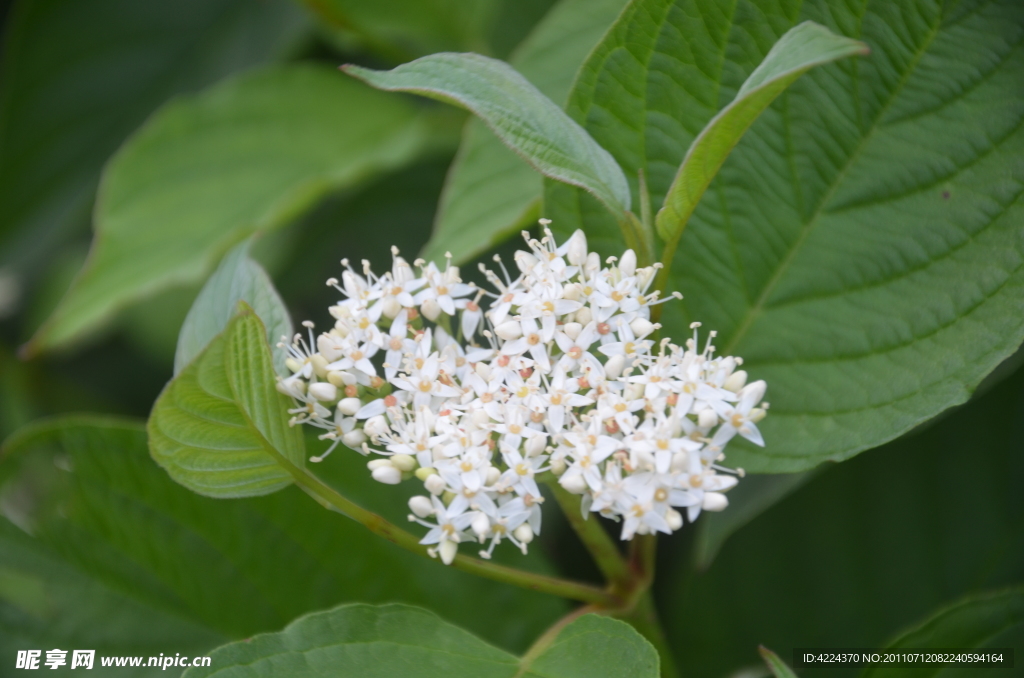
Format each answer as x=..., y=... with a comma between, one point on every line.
x=238, y=278
x=861, y=248
x=78, y=78
x=490, y=193
x=114, y=523
x=798, y=51
x=887, y=537
x=390, y=640
x=778, y=667
x=220, y=427
x=981, y=621
x=209, y=170
x=523, y=118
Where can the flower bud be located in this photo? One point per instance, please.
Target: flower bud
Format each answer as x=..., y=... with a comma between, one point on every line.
x=627, y=264
x=593, y=263
x=756, y=415
x=430, y=309
x=329, y=347
x=714, y=501
x=435, y=484
x=641, y=327
x=535, y=445
x=376, y=426
x=341, y=379
x=613, y=368
x=571, y=291
x=391, y=308
x=753, y=392
x=633, y=392
x=424, y=472
x=680, y=461
x=292, y=386
x=558, y=466
x=584, y=315
x=575, y=484
x=323, y=391
x=319, y=365
x=293, y=365
x=577, y=254
x=572, y=330
x=525, y=261
x=674, y=519
x=401, y=271
x=421, y=506
x=707, y=418
x=483, y=370
x=481, y=526
x=509, y=330
x=351, y=283
x=375, y=464
x=354, y=438
x=480, y=418
x=524, y=533
x=736, y=381
x=403, y=462
x=493, y=475
x=448, y=549
x=349, y=406
x=389, y=475
x=644, y=276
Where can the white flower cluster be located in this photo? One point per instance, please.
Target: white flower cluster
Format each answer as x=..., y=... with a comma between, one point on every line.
x=558, y=378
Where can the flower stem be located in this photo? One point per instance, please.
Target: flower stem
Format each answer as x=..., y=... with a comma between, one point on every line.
x=330, y=498
x=630, y=579
x=642, y=554
x=602, y=548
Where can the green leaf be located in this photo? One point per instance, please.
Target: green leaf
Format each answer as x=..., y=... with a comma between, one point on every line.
x=368, y=641
x=118, y=540
x=977, y=622
x=220, y=427
x=862, y=248
x=207, y=171
x=799, y=50
x=490, y=193
x=523, y=118
x=238, y=278
x=77, y=79
x=777, y=666
x=887, y=537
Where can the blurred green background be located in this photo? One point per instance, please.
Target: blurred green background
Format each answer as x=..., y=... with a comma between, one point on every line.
x=101, y=550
